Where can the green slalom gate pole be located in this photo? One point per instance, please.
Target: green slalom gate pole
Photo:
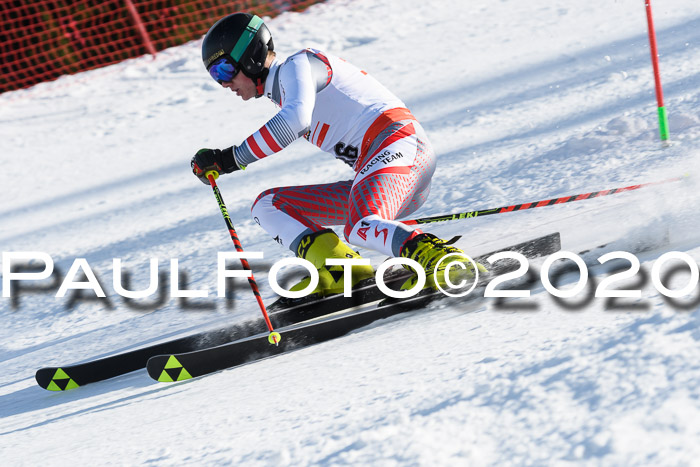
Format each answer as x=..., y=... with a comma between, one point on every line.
x=274, y=337
x=663, y=116
x=535, y=204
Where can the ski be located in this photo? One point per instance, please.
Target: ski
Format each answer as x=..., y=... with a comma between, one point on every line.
x=178, y=367
x=282, y=313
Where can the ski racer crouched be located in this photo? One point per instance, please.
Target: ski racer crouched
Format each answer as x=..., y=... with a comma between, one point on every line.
x=344, y=111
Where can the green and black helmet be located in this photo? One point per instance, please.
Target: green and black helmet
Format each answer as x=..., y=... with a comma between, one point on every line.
x=237, y=42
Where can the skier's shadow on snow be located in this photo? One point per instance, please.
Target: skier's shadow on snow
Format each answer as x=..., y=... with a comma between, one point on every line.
x=30, y=399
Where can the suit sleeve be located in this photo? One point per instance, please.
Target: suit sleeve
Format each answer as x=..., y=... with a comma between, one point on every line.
x=298, y=94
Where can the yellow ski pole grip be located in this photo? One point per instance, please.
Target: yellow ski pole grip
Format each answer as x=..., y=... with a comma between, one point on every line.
x=213, y=173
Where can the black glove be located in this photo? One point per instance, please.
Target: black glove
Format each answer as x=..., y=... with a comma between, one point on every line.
x=213, y=159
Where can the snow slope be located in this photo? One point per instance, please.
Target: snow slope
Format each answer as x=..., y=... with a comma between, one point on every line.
x=522, y=100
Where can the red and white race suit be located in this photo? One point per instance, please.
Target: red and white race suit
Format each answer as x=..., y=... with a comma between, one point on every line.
x=344, y=111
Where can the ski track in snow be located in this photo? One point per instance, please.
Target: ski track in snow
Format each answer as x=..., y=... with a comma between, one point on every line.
x=522, y=101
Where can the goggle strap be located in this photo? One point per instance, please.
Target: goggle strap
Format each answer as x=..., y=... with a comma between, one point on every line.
x=246, y=38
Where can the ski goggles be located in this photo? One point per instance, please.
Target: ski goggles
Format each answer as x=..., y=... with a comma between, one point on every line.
x=223, y=70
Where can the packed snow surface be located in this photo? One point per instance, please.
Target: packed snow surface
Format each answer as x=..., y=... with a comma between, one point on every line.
x=523, y=101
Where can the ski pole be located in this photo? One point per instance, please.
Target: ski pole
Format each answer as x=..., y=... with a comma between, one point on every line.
x=534, y=204
x=663, y=116
x=274, y=337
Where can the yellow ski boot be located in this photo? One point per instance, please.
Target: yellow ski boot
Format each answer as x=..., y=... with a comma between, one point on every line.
x=428, y=250
x=319, y=246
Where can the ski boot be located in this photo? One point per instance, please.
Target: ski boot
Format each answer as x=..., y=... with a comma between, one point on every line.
x=428, y=250
x=318, y=246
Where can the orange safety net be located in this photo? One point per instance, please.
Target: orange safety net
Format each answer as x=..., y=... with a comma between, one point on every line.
x=42, y=40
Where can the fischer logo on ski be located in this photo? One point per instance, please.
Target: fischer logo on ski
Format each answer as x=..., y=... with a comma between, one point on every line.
x=61, y=381
x=173, y=371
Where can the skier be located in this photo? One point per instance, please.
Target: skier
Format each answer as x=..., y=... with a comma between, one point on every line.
x=344, y=111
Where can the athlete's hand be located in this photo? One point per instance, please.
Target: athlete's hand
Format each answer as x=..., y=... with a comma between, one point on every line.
x=213, y=159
